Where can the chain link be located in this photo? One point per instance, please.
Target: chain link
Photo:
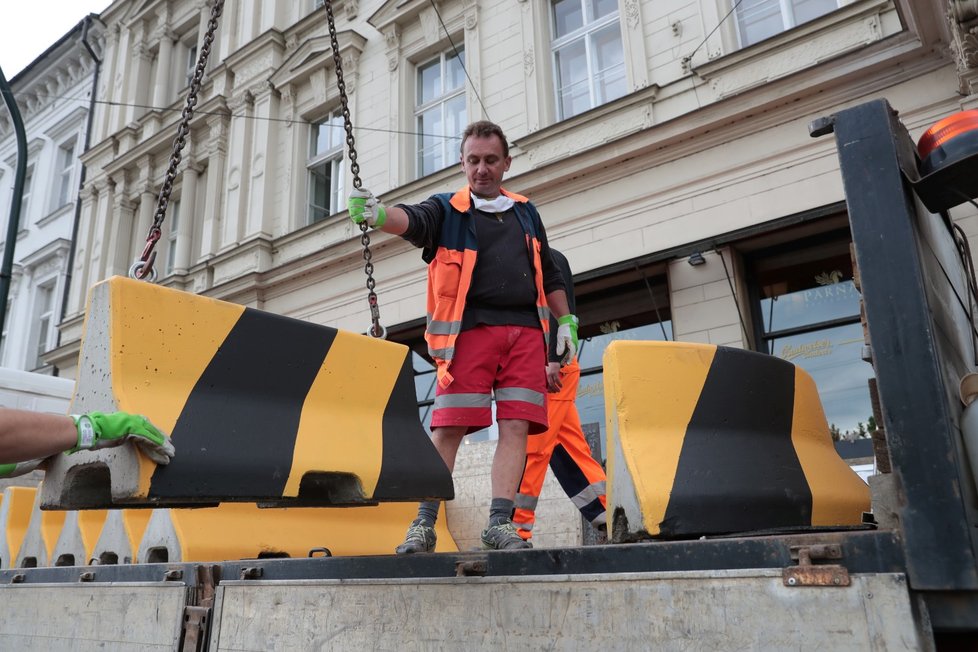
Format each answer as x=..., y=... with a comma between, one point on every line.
x=143, y=267
x=376, y=329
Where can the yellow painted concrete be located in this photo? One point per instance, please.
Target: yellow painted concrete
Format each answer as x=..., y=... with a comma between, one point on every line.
x=651, y=389
x=839, y=496
x=242, y=531
x=162, y=341
x=20, y=505
x=341, y=428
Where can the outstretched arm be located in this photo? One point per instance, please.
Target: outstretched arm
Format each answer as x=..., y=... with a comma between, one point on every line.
x=28, y=435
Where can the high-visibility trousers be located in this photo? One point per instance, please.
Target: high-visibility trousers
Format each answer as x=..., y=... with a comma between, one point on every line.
x=564, y=447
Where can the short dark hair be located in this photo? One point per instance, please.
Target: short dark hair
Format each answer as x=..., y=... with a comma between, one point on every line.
x=484, y=129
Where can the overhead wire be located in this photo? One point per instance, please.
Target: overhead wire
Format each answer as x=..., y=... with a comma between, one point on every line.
x=170, y=109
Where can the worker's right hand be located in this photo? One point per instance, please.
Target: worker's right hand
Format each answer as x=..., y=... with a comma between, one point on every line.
x=99, y=430
x=364, y=207
x=553, y=377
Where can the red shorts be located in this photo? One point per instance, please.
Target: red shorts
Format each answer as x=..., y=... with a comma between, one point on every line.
x=508, y=361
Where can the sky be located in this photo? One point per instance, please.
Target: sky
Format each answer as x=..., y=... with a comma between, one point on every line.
x=29, y=27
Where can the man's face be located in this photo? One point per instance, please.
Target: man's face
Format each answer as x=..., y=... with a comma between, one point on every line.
x=484, y=165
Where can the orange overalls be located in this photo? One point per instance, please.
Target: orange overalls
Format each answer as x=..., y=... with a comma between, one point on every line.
x=566, y=451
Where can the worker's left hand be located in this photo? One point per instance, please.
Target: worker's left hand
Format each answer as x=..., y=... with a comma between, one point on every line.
x=20, y=468
x=364, y=207
x=99, y=430
x=567, y=338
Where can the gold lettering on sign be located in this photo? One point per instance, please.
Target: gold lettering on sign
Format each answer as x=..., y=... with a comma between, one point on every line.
x=809, y=350
x=591, y=389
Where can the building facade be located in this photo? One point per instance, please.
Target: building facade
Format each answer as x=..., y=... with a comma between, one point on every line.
x=665, y=143
x=54, y=95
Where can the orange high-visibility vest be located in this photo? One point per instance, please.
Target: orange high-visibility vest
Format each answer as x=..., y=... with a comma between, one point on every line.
x=450, y=269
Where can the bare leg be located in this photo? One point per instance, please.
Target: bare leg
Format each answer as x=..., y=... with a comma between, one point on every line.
x=507, y=464
x=447, y=440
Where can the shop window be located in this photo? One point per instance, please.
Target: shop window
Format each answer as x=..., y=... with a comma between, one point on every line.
x=808, y=311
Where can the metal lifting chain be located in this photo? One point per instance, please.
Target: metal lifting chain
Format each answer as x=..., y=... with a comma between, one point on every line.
x=376, y=329
x=143, y=267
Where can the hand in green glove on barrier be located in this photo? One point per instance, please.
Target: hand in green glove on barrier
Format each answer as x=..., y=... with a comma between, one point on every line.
x=364, y=207
x=567, y=338
x=97, y=430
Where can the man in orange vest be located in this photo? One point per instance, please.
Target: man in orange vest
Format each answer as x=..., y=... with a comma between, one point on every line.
x=492, y=285
x=27, y=439
x=563, y=447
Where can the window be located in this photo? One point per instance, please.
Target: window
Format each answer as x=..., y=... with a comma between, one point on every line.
x=171, y=238
x=440, y=111
x=761, y=19
x=325, y=167
x=25, y=201
x=808, y=309
x=589, y=62
x=43, y=320
x=66, y=169
x=191, y=64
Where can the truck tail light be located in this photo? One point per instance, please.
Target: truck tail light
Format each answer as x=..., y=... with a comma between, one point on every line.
x=949, y=140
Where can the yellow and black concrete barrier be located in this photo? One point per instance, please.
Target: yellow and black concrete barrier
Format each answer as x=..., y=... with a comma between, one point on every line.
x=261, y=408
x=707, y=440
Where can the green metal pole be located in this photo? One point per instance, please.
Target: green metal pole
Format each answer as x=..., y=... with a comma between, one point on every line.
x=13, y=225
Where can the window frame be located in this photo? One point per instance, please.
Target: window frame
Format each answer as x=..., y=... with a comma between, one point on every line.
x=66, y=173
x=585, y=32
x=785, y=10
x=334, y=157
x=172, y=236
x=43, y=321
x=441, y=101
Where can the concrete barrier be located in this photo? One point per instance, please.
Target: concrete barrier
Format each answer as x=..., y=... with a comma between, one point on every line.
x=242, y=531
x=711, y=440
x=42, y=533
x=119, y=541
x=76, y=543
x=261, y=408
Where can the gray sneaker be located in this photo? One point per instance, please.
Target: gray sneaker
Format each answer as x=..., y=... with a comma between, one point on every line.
x=420, y=537
x=503, y=536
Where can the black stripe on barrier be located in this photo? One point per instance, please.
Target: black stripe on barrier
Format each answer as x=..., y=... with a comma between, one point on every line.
x=240, y=422
x=738, y=469
x=410, y=465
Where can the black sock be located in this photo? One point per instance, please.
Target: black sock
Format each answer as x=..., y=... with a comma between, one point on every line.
x=427, y=512
x=500, y=511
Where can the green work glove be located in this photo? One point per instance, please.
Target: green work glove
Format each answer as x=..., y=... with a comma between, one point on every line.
x=364, y=207
x=99, y=430
x=20, y=468
x=567, y=338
